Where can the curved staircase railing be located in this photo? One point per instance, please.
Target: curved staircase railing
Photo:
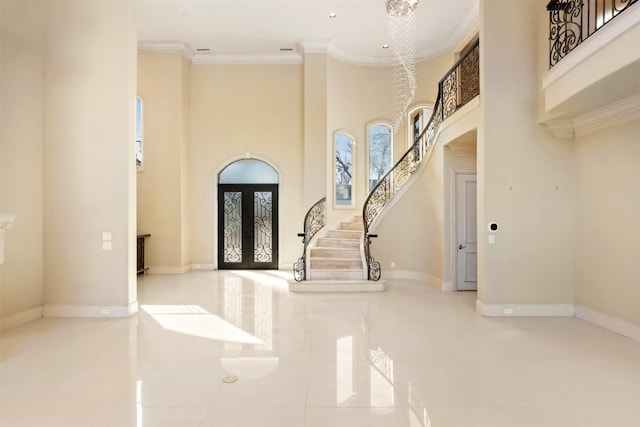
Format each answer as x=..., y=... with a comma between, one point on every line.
x=314, y=220
x=458, y=86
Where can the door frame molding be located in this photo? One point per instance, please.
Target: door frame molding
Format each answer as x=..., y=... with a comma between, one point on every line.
x=453, y=238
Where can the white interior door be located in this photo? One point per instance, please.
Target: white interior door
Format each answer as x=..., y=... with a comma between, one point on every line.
x=466, y=232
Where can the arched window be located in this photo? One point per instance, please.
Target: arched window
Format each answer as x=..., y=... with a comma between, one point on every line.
x=343, y=166
x=418, y=118
x=248, y=171
x=139, y=158
x=380, y=149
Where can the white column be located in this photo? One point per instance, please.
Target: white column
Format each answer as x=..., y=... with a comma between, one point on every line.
x=89, y=165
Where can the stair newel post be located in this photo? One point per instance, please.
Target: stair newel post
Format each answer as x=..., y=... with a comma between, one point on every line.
x=314, y=220
x=300, y=267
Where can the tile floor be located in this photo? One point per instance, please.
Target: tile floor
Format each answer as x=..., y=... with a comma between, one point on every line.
x=410, y=356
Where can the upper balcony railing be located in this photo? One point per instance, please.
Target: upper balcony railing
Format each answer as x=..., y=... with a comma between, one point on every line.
x=458, y=86
x=572, y=21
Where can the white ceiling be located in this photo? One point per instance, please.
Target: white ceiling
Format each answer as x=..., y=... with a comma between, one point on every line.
x=260, y=28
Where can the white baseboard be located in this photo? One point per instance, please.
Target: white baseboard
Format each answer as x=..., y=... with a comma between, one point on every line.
x=169, y=270
x=412, y=275
x=286, y=266
x=612, y=323
x=21, y=318
x=447, y=286
x=90, y=310
x=203, y=267
x=525, y=310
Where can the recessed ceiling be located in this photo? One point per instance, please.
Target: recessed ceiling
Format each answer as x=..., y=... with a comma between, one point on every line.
x=264, y=27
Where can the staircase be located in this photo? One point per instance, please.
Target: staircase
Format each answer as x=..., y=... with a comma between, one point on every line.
x=335, y=262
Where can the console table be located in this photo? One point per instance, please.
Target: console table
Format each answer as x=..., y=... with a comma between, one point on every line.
x=141, y=268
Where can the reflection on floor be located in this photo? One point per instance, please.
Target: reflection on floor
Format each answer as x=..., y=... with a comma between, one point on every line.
x=410, y=356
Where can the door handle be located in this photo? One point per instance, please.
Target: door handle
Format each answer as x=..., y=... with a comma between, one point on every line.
x=460, y=247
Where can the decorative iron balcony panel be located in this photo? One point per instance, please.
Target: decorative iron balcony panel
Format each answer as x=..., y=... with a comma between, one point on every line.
x=571, y=22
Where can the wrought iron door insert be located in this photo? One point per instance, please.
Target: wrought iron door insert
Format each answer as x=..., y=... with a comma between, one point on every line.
x=248, y=226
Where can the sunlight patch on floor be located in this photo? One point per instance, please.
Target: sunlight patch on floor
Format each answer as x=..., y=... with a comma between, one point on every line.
x=196, y=321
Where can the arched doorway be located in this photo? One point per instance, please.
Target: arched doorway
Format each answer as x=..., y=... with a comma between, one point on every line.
x=248, y=216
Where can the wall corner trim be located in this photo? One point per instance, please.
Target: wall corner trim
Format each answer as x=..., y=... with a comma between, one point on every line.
x=21, y=318
x=525, y=310
x=606, y=321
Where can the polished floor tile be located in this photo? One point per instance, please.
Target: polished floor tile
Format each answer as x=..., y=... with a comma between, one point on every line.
x=407, y=357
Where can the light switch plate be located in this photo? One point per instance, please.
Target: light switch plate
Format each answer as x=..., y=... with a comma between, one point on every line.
x=492, y=239
x=106, y=246
x=106, y=236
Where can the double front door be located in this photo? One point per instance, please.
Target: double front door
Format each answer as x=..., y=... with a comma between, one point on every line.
x=248, y=226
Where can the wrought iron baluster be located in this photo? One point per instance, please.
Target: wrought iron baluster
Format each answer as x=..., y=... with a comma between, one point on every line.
x=571, y=22
x=314, y=220
x=458, y=86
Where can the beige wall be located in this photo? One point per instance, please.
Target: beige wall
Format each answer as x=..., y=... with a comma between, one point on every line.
x=185, y=162
x=21, y=132
x=315, y=128
x=429, y=72
x=411, y=232
x=608, y=230
x=424, y=213
x=359, y=95
x=356, y=96
x=417, y=214
x=525, y=176
x=89, y=167
x=163, y=184
x=239, y=108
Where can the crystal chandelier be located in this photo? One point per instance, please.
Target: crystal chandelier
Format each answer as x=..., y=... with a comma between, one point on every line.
x=401, y=26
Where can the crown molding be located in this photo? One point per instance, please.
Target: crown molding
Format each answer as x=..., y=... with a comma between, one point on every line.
x=468, y=30
x=166, y=47
x=615, y=114
x=465, y=31
x=326, y=47
x=217, y=58
x=367, y=61
x=240, y=58
x=313, y=46
x=561, y=128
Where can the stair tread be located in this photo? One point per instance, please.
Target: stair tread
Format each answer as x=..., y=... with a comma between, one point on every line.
x=338, y=238
x=338, y=248
x=331, y=258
